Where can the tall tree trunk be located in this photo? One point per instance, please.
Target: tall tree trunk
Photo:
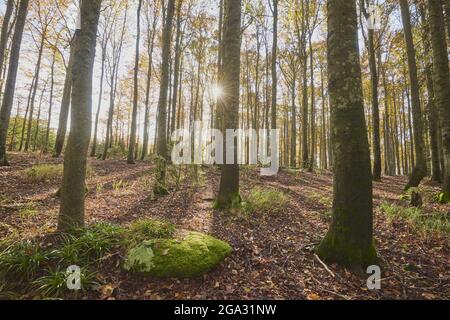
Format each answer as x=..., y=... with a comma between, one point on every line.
x=33, y=96
x=151, y=45
x=376, y=172
x=312, y=160
x=5, y=33
x=8, y=99
x=65, y=107
x=274, y=65
x=73, y=191
x=441, y=85
x=160, y=183
x=305, y=147
x=350, y=238
x=131, y=149
x=176, y=72
x=433, y=116
x=420, y=169
x=50, y=108
x=229, y=102
x=99, y=106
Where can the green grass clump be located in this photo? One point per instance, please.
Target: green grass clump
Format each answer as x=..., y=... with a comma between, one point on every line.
x=54, y=283
x=44, y=172
x=47, y=172
x=437, y=222
x=267, y=200
x=22, y=260
x=88, y=245
x=146, y=229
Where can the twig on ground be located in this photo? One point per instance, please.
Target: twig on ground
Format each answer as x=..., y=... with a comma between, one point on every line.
x=325, y=266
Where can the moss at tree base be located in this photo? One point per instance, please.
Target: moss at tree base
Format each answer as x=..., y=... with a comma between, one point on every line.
x=190, y=257
x=347, y=254
x=234, y=201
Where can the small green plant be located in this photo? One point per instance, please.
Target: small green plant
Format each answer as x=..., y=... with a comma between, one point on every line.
x=47, y=172
x=54, y=283
x=119, y=185
x=266, y=200
x=146, y=229
x=27, y=212
x=44, y=172
x=437, y=222
x=442, y=198
x=88, y=245
x=323, y=200
x=99, y=187
x=22, y=260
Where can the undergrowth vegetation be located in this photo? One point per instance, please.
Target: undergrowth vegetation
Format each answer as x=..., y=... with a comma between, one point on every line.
x=265, y=201
x=416, y=217
x=39, y=267
x=47, y=172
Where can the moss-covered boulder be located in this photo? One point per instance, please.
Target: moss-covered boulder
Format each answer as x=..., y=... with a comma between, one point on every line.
x=191, y=256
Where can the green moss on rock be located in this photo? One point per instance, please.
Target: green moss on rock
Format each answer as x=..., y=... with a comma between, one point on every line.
x=190, y=257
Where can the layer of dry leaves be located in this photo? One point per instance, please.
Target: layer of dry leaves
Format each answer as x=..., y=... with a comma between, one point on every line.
x=273, y=254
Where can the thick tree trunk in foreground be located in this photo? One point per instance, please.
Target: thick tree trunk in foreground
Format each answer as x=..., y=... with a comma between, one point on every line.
x=8, y=98
x=441, y=85
x=350, y=238
x=161, y=150
x=229, y=104
x=420, y=169
x=73, y=189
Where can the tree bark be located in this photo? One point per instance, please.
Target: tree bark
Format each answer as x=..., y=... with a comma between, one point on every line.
x=4, y=32
x=65, y=107
x=73, y=191
x=350, y=239
x=420, y=169
x=8, y=99
x=229, y=102
x=160, y=184
x=441, y=85
x=274, y=65
x=131, y=149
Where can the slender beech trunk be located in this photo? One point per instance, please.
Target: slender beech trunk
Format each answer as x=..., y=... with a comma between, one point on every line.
x=133, y=134
x=420, y=170
x=441, y=85
x=312, y=160
x=151, y=45
x=50, y=108
x=99, y=106
x=73, y=191
x=274, y=65
x=5, y=33
x=229, y=103
x=65, y=107
x=160, y=183
x=350, y=238
x=176, y=72
x=33, y=96
x=8, y=98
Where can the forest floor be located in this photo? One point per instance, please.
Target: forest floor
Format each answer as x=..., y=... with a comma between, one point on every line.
x=273, y=253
